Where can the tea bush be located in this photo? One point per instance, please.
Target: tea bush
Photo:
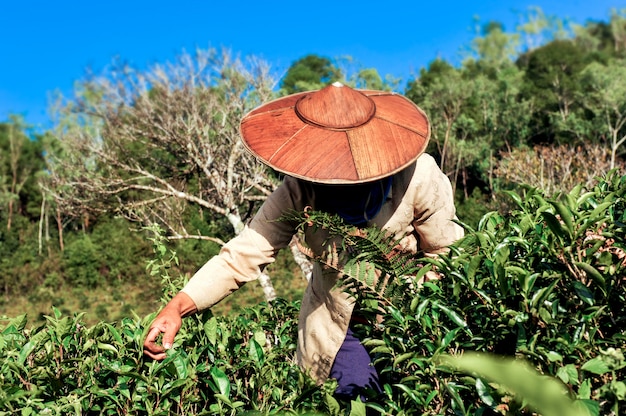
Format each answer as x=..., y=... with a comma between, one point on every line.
x=217, y=366
x=540, y=288
x=544, y=283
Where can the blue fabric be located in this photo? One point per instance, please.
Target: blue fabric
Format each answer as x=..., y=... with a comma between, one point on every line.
x=353, y=370
x=357, y=203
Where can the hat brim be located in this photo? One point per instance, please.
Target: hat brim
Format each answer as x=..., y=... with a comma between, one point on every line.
x=394, y=137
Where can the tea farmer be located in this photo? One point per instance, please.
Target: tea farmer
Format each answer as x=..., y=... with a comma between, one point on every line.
x=355, y=153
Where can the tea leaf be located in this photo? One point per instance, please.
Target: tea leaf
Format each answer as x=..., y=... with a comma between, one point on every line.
x=221, y=381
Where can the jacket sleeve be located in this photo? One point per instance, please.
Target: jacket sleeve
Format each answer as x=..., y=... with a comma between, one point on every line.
x=434, y=209
x=244, y=257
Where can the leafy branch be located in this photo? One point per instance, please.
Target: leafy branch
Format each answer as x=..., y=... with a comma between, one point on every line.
x=371, y=263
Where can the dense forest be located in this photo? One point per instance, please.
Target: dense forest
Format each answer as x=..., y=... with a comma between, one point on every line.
x=134, y=151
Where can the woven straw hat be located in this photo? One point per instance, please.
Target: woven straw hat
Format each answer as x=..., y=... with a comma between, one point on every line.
x=337, y=135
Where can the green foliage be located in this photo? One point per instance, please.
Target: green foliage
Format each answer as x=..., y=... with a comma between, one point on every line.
x=108, y=235
x=82, y=262
x=552, y=79
x=311, y=72
x=92, y=259
x=473, y=207
x=543, y=393
x=21, y=163
x=64, y=367
x=543, y=283
x=496, y=48
x=538, y=288
x=162, y=263
x=217, y=366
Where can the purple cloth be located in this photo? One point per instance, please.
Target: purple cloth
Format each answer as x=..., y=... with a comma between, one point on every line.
x=353, y=369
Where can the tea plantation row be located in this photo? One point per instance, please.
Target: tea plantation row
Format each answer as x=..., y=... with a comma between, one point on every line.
x=538, y=292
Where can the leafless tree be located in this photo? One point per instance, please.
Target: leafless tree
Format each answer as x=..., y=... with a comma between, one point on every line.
x=555, y=168
x=154, y=144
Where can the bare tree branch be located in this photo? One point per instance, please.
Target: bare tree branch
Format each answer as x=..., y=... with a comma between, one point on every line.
x=151, y=145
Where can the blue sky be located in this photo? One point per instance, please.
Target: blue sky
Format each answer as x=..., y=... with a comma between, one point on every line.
x=47, y=45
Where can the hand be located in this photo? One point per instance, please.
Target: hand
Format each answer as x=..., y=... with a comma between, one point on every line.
x=167, y=322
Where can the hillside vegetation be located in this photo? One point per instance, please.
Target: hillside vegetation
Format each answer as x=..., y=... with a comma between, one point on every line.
x=543, y=284
x=143, y=178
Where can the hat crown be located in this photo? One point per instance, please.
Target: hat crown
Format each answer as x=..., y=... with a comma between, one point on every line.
x=337, y=135
x=335, y=107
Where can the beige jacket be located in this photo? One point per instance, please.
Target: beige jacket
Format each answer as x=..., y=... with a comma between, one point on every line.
x=420, y=208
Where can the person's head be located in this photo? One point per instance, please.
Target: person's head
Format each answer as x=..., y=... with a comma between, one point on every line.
x=337, y=135
x=356, y=203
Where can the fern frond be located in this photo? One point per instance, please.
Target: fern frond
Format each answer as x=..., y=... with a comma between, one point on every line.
x=371, y=265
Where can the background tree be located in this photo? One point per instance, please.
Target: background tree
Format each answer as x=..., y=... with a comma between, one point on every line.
x=537, y=29
x=21, y=160
x=552, y=81
x=162, y=146
x=604, y=96
x=495, y=113
x=495, y=119
x=595, y=38
x=617, y=23
x=493, y=47
x=354, y=74
x=21, y=166
x=369, y=79
x=311, y=72
x=441, y=92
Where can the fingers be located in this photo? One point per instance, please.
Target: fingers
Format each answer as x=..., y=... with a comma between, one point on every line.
x=167, y=324
x=168, y=337
x=150, y=347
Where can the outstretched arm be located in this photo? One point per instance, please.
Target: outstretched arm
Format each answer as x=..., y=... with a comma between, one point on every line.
x=167, y=322
x=241, y=260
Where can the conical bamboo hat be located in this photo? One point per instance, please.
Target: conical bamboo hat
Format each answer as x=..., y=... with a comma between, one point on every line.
x=337, y=134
